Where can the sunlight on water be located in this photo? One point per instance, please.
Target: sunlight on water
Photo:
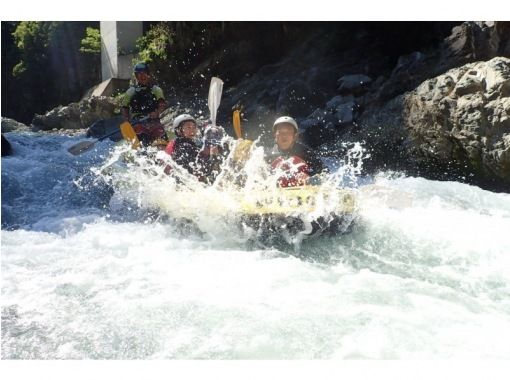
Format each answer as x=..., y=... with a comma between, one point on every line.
x=92, y=268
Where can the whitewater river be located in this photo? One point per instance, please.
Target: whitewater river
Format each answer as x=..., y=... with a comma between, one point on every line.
x=86, y=276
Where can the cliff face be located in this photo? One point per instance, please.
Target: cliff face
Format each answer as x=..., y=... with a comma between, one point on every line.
x=385, y=83
x=440, y=110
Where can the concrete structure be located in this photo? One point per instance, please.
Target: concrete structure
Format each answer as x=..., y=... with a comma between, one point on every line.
x=118, y=40
x=107, y=87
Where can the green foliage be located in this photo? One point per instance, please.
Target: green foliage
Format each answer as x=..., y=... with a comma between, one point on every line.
x=155, y=44
x=91, y=43
x=33, y=34
x=44, y=59
x=32, y=39
x=18, y=69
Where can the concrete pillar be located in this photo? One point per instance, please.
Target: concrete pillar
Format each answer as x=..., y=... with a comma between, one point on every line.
x=118, y=40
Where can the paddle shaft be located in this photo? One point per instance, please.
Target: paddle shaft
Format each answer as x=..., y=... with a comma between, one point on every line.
x=108, y=135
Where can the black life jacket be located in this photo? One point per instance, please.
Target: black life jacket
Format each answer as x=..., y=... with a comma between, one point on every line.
x=143, y=101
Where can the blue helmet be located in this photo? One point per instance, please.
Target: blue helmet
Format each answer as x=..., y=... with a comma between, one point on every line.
x=141, y=67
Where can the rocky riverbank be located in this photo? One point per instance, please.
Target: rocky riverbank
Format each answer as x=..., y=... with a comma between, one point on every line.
x=440, y=111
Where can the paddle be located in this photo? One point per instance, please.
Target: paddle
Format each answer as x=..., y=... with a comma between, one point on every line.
x=84, y=146
x=237, y=124
x=214, y=98
x=242, y=150
x=129, y=134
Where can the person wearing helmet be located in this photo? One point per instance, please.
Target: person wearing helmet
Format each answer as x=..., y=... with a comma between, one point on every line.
x=213, y=153
x=183, y=148
x=145, y=101
x=296, y=161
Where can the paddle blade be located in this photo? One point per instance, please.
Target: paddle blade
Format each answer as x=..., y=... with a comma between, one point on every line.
x=129, y=135
x=242, y=151
x=81, y=147
x=214, y=98
x=237, y=124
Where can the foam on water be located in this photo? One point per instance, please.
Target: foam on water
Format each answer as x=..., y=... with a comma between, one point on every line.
x=425, y=279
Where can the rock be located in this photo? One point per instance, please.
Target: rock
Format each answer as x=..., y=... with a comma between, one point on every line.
x=468, y=42
x=294, y=99
x=307, y=123
x=353, y=84
x=475, y=41
x=463, y=117
x=76, y=115
x=11, y=125
x=105, y=126
x=334, y=102
x=320, y=128
x=96, y=108
x=347, y=113
x=409, y=71
x=6, y=147
x=408, y=62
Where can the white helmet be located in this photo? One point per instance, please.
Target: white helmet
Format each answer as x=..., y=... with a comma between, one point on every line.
x=285, y=120
x=181, y=119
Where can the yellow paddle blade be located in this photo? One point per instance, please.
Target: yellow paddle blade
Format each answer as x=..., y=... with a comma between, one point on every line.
x=129, y=135
x=237, y=123
x=242, y=150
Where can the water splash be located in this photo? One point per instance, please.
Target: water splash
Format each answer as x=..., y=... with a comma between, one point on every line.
x=231, y=200
x=426, y=281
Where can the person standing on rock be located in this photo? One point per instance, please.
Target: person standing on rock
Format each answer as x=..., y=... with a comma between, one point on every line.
x=143, y=104
x=296, y=162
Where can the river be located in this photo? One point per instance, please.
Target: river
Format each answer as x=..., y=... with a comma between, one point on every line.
x=86, y=276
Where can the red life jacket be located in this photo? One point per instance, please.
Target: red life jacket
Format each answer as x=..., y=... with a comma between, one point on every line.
x=291, y=167
x=169, y=150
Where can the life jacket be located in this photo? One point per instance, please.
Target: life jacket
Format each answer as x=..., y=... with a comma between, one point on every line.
x=315, y=165
x=149, y=131
x=170, y=148
x=291, y=167
x=143, y=101
x=183, y=151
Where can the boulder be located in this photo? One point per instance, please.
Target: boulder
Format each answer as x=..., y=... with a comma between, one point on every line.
x=347, y=113
x=455, y=126
x=294, y=99
x=462, y=118
x=353, y=84
x=11, y=125
x=76, y=115
x=475, y=41
x=410, y=70
x=337, y=100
